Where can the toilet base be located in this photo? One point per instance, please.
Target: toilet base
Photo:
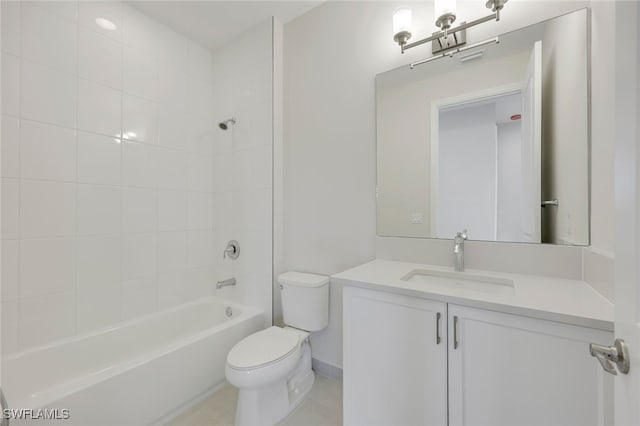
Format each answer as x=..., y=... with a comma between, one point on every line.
x=270, y=404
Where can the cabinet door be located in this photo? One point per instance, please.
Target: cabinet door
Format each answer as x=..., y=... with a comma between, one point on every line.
x=508, y=370
x=395, y=370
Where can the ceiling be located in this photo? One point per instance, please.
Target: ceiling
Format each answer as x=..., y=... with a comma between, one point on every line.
x=213, y=23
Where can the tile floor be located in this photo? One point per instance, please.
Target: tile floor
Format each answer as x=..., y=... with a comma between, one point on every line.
x=322, y=407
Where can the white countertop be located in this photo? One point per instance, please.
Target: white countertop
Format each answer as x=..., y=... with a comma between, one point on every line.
x=568, y=301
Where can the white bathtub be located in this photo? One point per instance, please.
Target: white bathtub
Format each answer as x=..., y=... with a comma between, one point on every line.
x=134, y=373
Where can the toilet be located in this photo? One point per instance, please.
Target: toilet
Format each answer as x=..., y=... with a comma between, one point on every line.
x=272, y=368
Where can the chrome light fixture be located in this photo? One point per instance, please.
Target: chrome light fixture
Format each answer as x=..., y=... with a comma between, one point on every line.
x=445, y=10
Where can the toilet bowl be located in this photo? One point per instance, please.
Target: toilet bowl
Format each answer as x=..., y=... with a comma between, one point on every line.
x=272, y=368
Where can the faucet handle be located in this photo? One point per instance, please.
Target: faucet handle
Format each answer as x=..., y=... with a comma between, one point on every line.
x=464, y=234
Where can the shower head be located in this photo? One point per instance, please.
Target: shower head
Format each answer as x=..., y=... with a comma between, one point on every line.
x=224, y=125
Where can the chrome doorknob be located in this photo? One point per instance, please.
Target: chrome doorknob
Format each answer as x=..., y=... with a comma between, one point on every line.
x=617, y=354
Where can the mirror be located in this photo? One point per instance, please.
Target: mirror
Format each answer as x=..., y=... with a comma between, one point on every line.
x=494, y=140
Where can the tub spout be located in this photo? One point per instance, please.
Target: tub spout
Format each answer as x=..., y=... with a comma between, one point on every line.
x=225, y=283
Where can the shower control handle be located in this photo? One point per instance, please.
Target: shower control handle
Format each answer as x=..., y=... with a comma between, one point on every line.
x=232, y=250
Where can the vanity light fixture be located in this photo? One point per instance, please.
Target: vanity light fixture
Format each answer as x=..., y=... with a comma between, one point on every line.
x=445, y=10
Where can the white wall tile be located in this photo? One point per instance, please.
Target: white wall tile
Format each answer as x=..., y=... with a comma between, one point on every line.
x=139, y=209
x=99, y=209
x=171, y=289
x=10, y=267
x=10, y=27
x=9, y=153
x=139, y=297
x=200, y=169
x=200, y=283
x=138, y=164
x=200, y=248
x=10, y=203
x=47, y=151
x=67, y=10
x=139, y=119
x=99, y=159
x=174, y=169
x=140, y=72
x=89, y=11
x=199, y=210
x=9, y=321
x=99, y=58
x=138, y=29
x=10, y=85
x=47, y=266
x=172, y=126
x=48, y=95
x=47, y=209
x=99, y=262
x=97, y=307
x=46, y=318
x=48, y=38
x=222, y=214
x=260, y=167
x=99, y=108
x=223, y=173
x=139, y=255
x=172, y=210
x=172, y=251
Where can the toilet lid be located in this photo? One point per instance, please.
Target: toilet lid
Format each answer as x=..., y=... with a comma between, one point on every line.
x=264, y=347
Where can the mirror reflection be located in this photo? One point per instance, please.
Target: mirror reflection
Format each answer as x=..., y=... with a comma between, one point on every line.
x=494, y=141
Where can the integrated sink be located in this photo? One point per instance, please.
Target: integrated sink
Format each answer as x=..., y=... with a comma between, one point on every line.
x=444, y=280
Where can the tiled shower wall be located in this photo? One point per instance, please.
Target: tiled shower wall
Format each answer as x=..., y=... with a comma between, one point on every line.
x=242, y=88
x=107, y=170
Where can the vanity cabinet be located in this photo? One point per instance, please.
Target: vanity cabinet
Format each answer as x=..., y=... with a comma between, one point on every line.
x=395, y=369
x=511, y=370
x=488, y=369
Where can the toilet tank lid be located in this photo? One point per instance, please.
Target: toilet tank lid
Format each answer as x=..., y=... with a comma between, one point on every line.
x=303, y=279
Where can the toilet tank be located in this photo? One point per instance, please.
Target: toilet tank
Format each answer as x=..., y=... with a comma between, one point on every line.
x=305, y=300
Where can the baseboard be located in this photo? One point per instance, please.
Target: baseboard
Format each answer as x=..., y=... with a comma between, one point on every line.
x=327, y=370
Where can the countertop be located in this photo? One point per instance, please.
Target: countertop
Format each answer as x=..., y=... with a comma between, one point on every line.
x=568, y=301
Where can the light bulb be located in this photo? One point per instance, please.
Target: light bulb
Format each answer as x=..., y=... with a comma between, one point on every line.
x=444, y=7
x=402, y=25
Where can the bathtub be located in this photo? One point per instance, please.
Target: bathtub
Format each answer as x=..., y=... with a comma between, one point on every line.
x=137, y=372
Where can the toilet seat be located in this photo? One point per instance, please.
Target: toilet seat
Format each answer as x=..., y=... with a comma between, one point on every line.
x=267, y=347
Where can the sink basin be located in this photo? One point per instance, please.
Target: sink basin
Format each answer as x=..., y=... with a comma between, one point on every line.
x=443, y=280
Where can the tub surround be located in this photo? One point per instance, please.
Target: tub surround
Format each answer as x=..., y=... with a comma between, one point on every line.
x=570, y=301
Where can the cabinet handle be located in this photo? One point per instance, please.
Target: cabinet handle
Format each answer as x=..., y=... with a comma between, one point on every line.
x=438, y=317
x=455, y=333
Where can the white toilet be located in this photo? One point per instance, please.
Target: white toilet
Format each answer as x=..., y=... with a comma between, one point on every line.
x=272, y=368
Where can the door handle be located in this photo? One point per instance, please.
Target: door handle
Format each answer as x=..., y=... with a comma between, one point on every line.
x=549, y=203
x=617, y=354
x=438, y=338
x=455, y=333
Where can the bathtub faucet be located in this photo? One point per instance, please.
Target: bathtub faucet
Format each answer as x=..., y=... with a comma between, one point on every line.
x=225, y=283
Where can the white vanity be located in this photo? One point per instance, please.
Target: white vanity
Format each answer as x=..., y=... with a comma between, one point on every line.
x=424, y=345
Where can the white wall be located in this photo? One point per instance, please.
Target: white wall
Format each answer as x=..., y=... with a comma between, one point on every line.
x=467, y=156
x=332, y=55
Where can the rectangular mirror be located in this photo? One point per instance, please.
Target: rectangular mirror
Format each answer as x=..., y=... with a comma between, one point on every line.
x=494, y=140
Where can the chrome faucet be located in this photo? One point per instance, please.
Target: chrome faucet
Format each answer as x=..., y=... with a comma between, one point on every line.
x=225, y=283
x=458, y=251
